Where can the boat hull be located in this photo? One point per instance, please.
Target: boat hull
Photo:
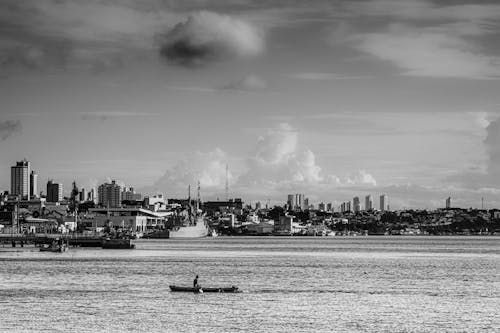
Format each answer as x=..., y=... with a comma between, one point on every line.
x=232, y=289
x=193, y=231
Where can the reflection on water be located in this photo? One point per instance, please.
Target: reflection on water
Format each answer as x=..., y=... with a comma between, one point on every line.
x=393, y=284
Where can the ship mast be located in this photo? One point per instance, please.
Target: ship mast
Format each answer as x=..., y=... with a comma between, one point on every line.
x=227, y=182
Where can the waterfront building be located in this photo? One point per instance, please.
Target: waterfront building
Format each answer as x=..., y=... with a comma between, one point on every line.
x=128, y=219
x=20, y=179
x=284, y=225
x=33, y=184
x=356, y=204
x=448, y=203
x=54, y=191
x=384, y=203
x=109, y=194
x=368, y=202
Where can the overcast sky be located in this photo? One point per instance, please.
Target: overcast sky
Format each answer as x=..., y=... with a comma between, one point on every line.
x=327, y=98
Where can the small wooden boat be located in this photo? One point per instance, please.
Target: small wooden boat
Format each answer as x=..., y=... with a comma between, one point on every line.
x=117, y=243
x=232, y=289
x=55, y=248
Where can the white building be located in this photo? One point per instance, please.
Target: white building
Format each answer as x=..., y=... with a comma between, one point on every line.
x=128, y=219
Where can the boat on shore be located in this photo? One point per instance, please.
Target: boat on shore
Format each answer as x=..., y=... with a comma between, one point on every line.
x=54, y=247
x=232, y=289
x=117, y=243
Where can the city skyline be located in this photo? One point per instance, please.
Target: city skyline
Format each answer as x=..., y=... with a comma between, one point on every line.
x=336, y=100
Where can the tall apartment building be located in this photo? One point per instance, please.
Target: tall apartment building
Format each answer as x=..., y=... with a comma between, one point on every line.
x=384, y=203
x=356, y=204
x=448, y=203
x=109, y=195
x=20, y=179
x=368, y=202
x=296, y=201
x=54, y=191
x=33, y=184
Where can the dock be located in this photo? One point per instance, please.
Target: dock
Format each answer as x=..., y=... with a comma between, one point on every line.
x=40, y=239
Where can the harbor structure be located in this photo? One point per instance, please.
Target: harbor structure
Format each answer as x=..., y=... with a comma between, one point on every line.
x=136, y=220
x=109, y=194
x=54, y=191
x=20, y=179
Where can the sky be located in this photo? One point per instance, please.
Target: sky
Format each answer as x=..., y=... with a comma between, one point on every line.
x=333, y=99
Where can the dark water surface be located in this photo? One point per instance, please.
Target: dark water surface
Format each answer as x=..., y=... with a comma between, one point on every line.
x=334, y=284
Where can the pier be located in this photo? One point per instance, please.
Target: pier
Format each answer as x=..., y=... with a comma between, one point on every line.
x=39, y=239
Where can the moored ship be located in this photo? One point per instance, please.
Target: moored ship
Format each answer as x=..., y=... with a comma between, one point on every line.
x=190, y=223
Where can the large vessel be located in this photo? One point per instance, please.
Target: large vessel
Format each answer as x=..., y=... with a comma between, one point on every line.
x=190, y=223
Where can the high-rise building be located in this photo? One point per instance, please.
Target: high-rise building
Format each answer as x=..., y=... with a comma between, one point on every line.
x=34, y=184
x=109, y=194
x=321, y=207
x=299, y=201
x=20, y=179
x=54, y=191
x=368, y=202
x=291, y=201
x=348, y=206
x=448, y=203
x=296, y=201
x=329, y=207
x=356, y=204
x=91, y=195
x=384, y=203
x=128, y=193
x=83, y=195
x=306, y=203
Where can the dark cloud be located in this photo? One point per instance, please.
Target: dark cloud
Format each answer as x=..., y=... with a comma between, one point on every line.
x=9, y=127
x=205, y=37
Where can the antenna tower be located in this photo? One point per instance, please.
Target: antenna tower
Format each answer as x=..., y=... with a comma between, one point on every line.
x=227, y=182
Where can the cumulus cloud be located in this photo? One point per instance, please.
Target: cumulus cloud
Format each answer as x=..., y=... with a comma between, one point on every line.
x=8, y=128
x=361, y=178
x=206, y=37
x=207, y=168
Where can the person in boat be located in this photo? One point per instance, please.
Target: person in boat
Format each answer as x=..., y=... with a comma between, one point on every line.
x=195, y=282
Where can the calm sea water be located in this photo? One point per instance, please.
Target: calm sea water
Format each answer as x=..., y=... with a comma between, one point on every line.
x=366, y=284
